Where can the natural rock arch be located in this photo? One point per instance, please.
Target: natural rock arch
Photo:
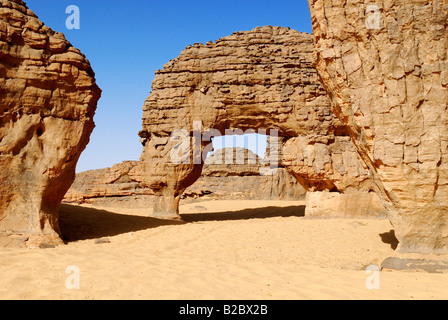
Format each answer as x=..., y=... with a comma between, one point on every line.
x=261, y=79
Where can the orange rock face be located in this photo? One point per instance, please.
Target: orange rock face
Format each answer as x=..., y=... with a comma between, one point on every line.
x=384, y=65
x=48, y=98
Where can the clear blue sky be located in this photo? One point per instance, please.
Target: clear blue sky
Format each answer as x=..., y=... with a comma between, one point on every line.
x=126, y=41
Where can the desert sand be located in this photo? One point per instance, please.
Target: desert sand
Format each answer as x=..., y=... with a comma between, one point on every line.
x=224, y=250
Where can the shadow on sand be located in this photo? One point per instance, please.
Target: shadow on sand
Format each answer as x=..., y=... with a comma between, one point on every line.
x=389, y=238
x=81, y=223
x=257, y=213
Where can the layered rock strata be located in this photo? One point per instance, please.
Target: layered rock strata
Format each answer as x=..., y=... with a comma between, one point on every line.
x=384, y=65
x=48, y=98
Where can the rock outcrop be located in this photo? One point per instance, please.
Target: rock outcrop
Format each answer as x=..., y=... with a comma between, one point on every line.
x=121, y=180
x=223, y=177
x=48, y=98
x=233, y=172
x=261, y=80
x=384, y=65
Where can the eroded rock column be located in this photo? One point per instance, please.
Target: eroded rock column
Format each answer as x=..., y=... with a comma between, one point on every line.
x=169, y=169
x=384, y=65
x=48, y=98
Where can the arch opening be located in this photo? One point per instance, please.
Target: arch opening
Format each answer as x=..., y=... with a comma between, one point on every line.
x=255, y=142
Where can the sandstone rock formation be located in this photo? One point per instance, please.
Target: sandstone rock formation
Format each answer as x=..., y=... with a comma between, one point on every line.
x=384, y=65
x=48, y=98
x=257, y=80
x=121, y=180
x=222, y=178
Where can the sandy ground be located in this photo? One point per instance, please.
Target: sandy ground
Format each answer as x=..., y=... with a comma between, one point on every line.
x=225, y=250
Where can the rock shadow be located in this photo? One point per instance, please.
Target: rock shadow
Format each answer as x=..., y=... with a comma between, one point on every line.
x=389, y=238
x=81, y=223
x=247, y=214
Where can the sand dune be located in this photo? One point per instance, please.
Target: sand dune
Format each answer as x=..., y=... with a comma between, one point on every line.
x=223, y=250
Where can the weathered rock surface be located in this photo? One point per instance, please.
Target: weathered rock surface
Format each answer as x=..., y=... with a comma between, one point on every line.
x=223, y=177
x=48, y=98
x=119, y=181
x=261, y=80
x=384, y=65
x=238, y=173
x=331, y=165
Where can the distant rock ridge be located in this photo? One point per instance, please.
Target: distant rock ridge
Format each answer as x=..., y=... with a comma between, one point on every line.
x=219, y=181
x=233, y=162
